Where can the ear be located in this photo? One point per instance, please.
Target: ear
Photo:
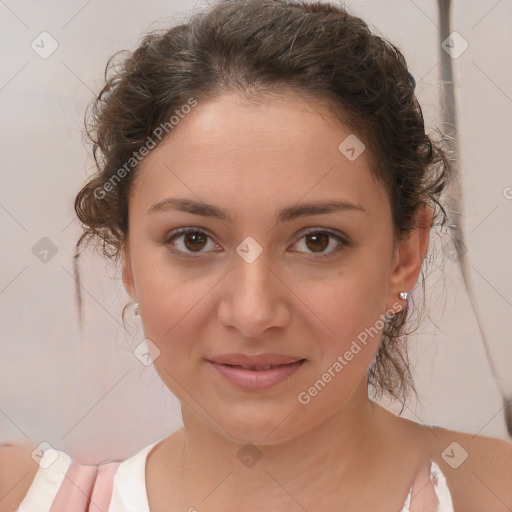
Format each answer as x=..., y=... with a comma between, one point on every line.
x=127, y=274
x=408, y=256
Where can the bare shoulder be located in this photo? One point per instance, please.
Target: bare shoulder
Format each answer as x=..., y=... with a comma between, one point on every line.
x=17, y=472
x=478, y=469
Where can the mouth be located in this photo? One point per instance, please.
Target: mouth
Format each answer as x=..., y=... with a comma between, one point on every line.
x=258, y=368
x=256, y=377
x=259, y=361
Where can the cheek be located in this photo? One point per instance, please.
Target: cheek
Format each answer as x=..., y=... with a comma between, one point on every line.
x=169, y=322
x=170, y=312
x=351, y=309
x=173, y=310
x=346, y=353
x=356, y=335
x=167, y=295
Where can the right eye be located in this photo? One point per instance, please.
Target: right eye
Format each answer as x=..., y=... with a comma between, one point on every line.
x=189, y=241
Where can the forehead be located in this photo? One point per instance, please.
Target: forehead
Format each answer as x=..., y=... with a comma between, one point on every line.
x=285, y=146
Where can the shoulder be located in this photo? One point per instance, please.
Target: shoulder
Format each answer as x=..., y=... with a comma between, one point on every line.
x=17, y=472
x=478, y=469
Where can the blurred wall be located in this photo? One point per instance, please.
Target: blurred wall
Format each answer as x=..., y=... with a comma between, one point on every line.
x=87, y=394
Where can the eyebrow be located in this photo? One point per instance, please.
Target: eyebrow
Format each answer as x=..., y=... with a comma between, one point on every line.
x=286, y=214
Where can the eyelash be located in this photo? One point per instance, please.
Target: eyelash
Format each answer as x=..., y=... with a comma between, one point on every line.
x=342, y=241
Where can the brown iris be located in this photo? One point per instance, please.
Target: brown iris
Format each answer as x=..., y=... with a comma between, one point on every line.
x=194, y=241
x=318, y=241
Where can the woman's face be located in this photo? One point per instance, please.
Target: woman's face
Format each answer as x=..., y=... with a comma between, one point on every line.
x=271, y=276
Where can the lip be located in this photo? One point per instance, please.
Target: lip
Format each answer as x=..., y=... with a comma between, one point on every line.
x=257, y=380
x=255, y=360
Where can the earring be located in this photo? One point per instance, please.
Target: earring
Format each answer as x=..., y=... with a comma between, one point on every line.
x=136, y=309
x=403, y=295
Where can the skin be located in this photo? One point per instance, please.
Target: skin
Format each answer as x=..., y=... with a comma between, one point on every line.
x=253, y=160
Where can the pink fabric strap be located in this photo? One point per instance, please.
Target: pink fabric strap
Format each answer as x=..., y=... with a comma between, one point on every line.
x=86, y=488
x=102, y=492
x=424, y=496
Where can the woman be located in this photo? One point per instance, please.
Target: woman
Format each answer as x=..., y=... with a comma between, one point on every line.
x=265, y=179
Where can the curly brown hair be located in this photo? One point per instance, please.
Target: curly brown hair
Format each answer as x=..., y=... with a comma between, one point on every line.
x=256, y=48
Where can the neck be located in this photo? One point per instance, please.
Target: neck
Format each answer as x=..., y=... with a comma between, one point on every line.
x=344, y=448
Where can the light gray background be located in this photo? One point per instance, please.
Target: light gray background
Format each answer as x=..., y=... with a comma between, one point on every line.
x=89, y=395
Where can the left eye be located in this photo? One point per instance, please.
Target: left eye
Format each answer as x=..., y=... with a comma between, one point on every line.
x=319, y=241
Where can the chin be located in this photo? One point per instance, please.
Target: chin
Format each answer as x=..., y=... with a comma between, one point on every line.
x=258, y=427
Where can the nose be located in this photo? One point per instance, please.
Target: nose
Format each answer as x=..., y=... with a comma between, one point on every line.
x=254, y=298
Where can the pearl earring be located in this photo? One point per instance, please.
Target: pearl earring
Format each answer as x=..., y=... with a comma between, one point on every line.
x=403, y=295
x=136, y=309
